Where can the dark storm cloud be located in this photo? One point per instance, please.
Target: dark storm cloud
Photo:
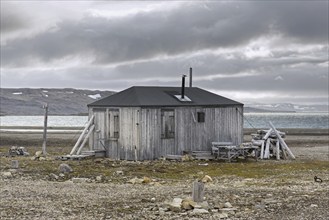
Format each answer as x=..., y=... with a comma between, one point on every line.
x=189, y=28
x=11, y=18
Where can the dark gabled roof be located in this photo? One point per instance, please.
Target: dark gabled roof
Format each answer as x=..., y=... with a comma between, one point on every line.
x=144, y=96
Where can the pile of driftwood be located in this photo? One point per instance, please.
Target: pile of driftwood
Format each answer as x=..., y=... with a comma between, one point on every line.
x=271, y=144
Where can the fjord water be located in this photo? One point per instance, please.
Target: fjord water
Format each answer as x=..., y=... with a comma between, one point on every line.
x=256, y=120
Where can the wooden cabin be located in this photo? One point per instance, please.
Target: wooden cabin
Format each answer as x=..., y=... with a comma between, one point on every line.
x=146, y=123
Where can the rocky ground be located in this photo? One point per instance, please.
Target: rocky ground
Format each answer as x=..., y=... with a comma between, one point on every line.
x=107, y=189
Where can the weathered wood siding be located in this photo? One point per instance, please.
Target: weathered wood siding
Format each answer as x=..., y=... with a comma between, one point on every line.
x=140, y=128
x=221, y=124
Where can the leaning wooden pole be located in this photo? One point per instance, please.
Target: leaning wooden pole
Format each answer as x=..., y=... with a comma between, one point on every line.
x=91, y=121
x=44, y=152
x=282, y=143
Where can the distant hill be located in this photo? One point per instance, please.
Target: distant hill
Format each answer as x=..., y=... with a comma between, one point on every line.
x=61, y=101
x=24, y=101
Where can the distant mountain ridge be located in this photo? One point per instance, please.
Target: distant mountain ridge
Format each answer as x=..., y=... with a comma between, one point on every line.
x=25, y=101
x=287, y=107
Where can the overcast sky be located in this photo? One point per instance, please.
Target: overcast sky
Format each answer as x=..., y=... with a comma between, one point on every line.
x=250, y=51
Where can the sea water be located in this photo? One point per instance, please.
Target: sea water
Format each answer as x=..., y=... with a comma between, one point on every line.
x=251, y=120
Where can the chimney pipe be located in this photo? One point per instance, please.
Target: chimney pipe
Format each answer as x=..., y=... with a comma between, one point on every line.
x=190, y=76
x=183, y=86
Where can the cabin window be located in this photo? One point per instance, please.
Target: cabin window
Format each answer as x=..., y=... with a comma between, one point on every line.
x=201, y=116
x=114, y=125
x=167, y=124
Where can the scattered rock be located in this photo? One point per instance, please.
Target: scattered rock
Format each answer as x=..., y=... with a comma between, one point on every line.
x=219, y=206
x=199, y=211
x=135, y=181
x=223, y=215
x=99, y=178
x=119, y=172
x=42, y=158
x=227, y=205
x=204, y=204
x=187, y=157
x=206, y=179
x=6, y=174
x=146, y=180
x=153, y=199
x=65, y=168
x=34, y=158
x=188, y=204
x=53, y=176
x=314, y=205
x=38, y=154
x=175, y=205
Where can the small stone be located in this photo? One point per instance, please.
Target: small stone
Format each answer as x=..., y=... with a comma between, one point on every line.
x=204, y=204
x=53, y=176
x=61, y=175
x=153, y=199
x=146, y=180
x=188, y=204
x=223, y=215
x=314, y=205
x=175, y=205
x=6, y=174
x=219, y=206
x=135, y=181
x=259, y=207
x=119, y=172
x=42, y=158
x=199, y=211
x=187, y=157
x=227, y=205
x=38, y=154
x=99, y=178
x=206, y=179
x=65, y=168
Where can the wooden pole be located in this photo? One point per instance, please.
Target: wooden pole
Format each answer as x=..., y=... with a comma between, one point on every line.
x=85, y=140
x=267, y=135
x=262, y=150
x=45, y=130
x=277, y=150
x=282, y=143
x=91, y=121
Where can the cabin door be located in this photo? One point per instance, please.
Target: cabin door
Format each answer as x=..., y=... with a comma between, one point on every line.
x=113, y=133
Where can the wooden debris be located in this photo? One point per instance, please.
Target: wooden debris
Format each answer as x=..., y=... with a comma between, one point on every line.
x=271, y=144
x=198, y=191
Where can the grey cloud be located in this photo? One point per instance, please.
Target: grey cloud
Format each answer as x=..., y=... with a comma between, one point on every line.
x=11, y=18
x=186, y=29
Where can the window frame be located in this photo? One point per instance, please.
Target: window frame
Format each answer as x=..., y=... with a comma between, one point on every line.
x=201, y=117
x=167, y=123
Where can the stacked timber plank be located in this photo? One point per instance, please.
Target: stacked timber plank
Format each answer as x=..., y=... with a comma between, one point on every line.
x=272, y=144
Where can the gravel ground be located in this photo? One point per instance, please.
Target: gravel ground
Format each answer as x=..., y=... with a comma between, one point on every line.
x=291, y=194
